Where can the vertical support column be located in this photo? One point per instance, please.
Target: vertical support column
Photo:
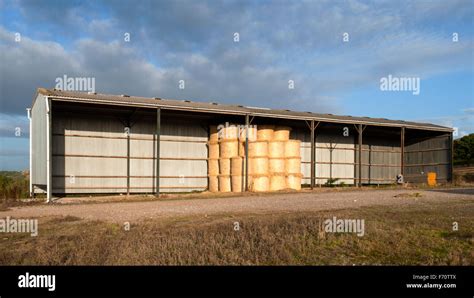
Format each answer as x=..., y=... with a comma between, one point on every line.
x=49, y=175
x=312, y=154
x=402, y=151
x=128, y=158
x=158, y=135
x=247, y=123
x=451, y=157
x=360, y=130
x=31, y=152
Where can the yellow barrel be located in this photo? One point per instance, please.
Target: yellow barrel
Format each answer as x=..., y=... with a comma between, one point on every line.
x=431, y=178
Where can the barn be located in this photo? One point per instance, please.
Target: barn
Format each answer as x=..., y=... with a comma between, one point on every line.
x=91, y=143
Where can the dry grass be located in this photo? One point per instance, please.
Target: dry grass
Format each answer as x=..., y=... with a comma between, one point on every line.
x=393, y=235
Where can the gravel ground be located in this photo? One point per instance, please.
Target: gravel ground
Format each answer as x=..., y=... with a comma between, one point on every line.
x=308, y=201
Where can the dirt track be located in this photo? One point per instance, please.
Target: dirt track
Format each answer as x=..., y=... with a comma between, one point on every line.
x=135, y=211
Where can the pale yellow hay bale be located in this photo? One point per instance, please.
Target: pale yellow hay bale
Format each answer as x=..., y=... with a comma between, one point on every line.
x=276, y=165
x=237, y=166
x=213, y=133
x=276, y=149
x=293, y=181
x=229, y=132
x=258, y=165
x=213, y=166
x=293, y=165
x=252, y=134
x=237, y=181
x=224, y=183
x=281, y=133
x=213, y=149
x=241, y=149
x=265, y=132
x=260, y=183
x=258, y=148
x=277, y=182
x=213, y=183
x=224, y=166
x=292, y=148
x=228, y=148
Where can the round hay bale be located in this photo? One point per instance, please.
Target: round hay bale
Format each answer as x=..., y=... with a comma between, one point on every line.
x=265, y=132
x=213, y=149
x=258, y=148
x=228, y=148
x=252, y=134
x=276, y=149
x=260, y=183
x=237, y=181
x=293, y=181
x=292, y=148
x=213, y=183
x=213, y=133
x=277, y=182
x=282, y=133
x=258, y=165
x=276, y=165
x=293, y=165
x=224, y=183
x=228, y=132
x=237, y=165
x=224, y=166
x=241, y=149
x=213, y=166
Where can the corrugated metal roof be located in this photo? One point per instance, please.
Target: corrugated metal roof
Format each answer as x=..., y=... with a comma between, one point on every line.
x=212, y=107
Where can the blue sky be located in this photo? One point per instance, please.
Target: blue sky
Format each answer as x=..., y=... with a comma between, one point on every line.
x=279, y=41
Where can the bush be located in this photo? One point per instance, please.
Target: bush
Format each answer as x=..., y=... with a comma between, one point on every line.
x=13, y=186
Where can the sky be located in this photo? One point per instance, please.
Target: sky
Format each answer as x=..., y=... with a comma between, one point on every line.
x=334, y=52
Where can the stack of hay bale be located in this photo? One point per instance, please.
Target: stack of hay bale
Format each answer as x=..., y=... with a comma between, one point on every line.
x=274, y=159
x=213, y=160
x=225, y=162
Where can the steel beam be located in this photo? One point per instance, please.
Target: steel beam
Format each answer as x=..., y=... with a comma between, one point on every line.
x=49, y=156
x=158, y=135
x=402, y=151
x=312, y=128
x=247, y=123
x=360, y=130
